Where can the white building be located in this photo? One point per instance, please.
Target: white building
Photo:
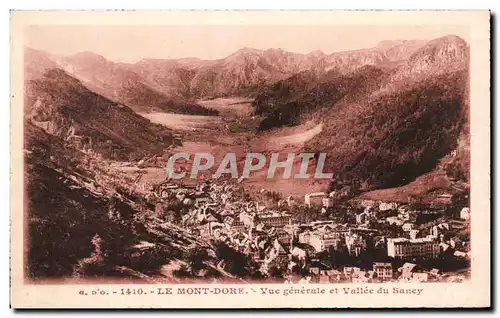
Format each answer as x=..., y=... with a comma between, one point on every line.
x=327, y=202
x=383, y=270
x=323, y=240
x=314, y=198
x=385, y=206
x=367, y=203
x=305, y=237
x=465, y=213
x=247, y=219
x=407, y=227
x=201, y=200
x=404, y=248
x=361, y=218
x=355, y=244
x=299, y=253
x=394, y=220
x=275, y=219
x=436, y=230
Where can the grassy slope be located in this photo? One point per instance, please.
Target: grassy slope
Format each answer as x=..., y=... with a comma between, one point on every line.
x=82, y=222
x=289, y=101
x=62, y=216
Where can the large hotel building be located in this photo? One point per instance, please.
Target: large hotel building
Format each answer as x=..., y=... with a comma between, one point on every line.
x=404, y=248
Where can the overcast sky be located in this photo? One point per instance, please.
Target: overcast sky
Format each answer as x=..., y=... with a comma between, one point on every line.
x=133, y=43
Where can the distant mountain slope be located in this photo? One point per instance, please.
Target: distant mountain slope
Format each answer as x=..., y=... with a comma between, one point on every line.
x=36, y=63
x=396, y=137
x=399, y=50
x=66, y=108
x=244, y=71
x=169, y=77
x=288, y=101
x=382, y=127
x=288, y=90
x=342, y=75
x=248, y=71
x=442, y=55
x=118, y=83
x=389, y=113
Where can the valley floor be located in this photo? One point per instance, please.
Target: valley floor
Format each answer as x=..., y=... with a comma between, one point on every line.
x=235, y=131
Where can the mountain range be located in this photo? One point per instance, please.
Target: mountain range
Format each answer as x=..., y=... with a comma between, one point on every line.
x=382, y=126
x=165, y=84
x=248, y=70
x=400, y=99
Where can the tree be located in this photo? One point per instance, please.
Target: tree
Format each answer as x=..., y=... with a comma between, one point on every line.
x=237, y=263
x=276, y=272
x=182, y=272
x=196, y=258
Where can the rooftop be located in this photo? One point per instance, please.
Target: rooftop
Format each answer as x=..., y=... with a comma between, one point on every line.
x=406, y=240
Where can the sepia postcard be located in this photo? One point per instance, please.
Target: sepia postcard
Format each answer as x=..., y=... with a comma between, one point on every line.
x=250, y=159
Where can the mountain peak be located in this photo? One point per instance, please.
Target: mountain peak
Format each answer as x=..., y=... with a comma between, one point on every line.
x=36, y=63
x=391, y=43
x=316, y=53
x=246, y=50
x=442, y=55
x=398, y=50
x=275, y=50
x=451, y=45
x=87, y=56
x=449, y=40
x=242, y=55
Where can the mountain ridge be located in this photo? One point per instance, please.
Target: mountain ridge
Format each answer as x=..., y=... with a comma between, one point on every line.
x=370, y=156
x=243, y=72
x=64, y=107
x=121, y=85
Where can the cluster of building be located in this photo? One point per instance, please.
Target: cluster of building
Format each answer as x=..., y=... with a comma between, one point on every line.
x=273, y=239
x=380, y=272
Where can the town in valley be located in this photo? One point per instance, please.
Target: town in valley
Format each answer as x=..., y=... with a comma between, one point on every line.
x=322, y=238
